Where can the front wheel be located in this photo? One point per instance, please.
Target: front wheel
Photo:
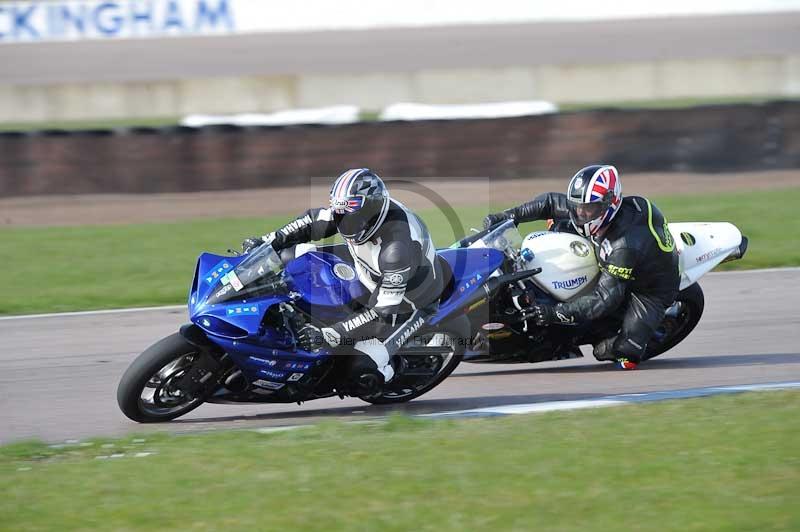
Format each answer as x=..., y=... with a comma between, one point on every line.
x=169, y=379
x=680, y=320
x=421, y=365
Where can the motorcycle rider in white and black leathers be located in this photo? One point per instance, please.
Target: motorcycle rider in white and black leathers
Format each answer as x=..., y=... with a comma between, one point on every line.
x=637, y=258
x=394, y=258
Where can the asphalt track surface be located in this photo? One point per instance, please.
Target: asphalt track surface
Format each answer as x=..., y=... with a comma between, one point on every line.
x=404, y=49
x=58, y=375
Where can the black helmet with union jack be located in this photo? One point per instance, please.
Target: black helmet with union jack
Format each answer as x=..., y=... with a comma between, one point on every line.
x=594, y=196
x=359, y=202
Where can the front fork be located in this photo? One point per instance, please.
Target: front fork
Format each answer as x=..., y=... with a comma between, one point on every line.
x=211, y=366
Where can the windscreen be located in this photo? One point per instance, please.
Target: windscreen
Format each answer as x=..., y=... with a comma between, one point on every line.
x=261, y=271
x=505, y=237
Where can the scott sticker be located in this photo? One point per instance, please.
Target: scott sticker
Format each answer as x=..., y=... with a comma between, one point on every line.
x=618, y=271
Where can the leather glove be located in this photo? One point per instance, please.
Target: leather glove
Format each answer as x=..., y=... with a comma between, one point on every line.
x=544, y=315
x=312, y=338
x=492, y=219
x=251, y=243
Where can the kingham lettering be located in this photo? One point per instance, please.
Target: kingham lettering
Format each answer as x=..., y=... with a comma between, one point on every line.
x=82, y=19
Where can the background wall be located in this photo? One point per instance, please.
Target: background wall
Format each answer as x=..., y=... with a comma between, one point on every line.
x=708, y=139
x=216, y=56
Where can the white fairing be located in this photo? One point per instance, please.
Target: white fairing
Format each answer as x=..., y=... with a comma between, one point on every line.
x=567, y=270
x=702, y=246
x=568, y=263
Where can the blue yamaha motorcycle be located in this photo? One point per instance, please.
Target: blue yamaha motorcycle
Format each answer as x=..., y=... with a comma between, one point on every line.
x=241, y=345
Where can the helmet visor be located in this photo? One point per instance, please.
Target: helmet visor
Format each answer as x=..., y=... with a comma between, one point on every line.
x=360, y=222
x=348, y=204
x=583, y=213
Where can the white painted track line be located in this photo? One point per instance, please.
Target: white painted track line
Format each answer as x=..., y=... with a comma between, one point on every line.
x=91, y=312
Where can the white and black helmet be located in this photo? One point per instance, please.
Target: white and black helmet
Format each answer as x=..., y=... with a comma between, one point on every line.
x=359, y=202
x=594, y=196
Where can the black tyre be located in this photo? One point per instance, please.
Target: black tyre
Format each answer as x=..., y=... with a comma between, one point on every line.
x=151, y=388
x=403, y=389
x=681, y=319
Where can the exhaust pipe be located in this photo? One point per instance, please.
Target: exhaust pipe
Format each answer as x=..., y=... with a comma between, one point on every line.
x=739, y=252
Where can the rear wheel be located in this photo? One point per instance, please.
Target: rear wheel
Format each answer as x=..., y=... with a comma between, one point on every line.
x=421, y=365
x=171, y=378
x=680, y=320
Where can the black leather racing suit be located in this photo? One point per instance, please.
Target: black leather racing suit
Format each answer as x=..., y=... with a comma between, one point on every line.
x=398, y=265
x=638, y=266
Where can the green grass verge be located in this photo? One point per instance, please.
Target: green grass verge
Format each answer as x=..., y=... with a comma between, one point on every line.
x=81, y=125
x=92, y=267
x=672, y=103
x=722, y=463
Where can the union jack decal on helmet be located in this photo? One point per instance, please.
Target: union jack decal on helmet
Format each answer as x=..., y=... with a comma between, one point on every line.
x=605, y=180
x=596, y=184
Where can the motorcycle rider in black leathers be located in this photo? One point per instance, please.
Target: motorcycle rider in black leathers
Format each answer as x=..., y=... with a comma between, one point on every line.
x=394, y=258
x=636, y=253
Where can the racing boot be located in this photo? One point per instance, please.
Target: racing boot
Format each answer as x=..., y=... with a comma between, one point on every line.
x=604, y=351
x=371, y=370
x=376, y=350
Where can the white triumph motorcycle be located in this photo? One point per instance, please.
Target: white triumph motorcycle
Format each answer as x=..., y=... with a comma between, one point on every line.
x=563, y=266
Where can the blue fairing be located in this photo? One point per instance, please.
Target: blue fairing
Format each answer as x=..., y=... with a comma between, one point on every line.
x=263, y=362
x=210, y=268
x=232, y=319
x=471, y=268
x=265, y=353
x=317, y=282
x=313, y=276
